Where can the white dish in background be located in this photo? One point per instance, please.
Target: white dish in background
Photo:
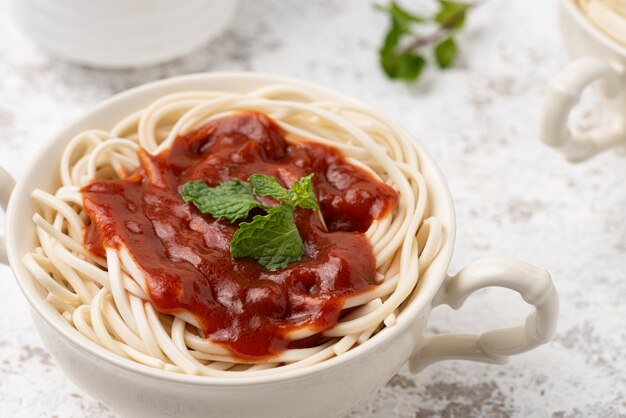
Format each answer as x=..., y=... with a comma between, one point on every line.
x=595, y=57
x=327, y=389
x=122, y=34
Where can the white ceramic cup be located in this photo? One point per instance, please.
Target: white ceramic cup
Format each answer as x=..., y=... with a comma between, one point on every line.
x=596, y=57
x=328, y=389
x=122, y=33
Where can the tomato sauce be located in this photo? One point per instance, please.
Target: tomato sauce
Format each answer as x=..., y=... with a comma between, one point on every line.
x=185, y=255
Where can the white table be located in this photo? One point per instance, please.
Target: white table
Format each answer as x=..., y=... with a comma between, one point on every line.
x=480, y=120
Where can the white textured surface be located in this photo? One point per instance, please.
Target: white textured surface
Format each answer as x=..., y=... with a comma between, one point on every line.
x=514, y=197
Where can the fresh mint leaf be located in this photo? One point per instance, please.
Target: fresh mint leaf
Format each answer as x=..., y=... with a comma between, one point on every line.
x=452, y=14
x=398, y=64
x=302, y=194
x=402, y=16
x=268, y=186
x=401, y=21
x=232, y=199
x=391, y=40
x=273, y=240
x=404, y=66
x=445, y=52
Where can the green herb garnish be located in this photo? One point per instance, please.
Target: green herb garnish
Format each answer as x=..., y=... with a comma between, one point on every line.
x=268, y=186
x=303, y=195
x=401, y=55
x=232, y=199
x=271, y=239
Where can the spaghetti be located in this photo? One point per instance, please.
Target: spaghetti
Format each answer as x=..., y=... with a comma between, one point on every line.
x=608, y=15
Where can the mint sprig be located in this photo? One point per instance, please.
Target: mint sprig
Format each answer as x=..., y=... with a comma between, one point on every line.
x=402, y=52
x=271, y=239
x=300, y=195
x=268, y=186
x=232, y=199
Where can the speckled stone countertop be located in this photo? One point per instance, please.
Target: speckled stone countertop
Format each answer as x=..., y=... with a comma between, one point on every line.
x=514, y=197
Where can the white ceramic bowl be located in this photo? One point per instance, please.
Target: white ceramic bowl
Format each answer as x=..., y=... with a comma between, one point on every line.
x=327, y=389
x=122, y=33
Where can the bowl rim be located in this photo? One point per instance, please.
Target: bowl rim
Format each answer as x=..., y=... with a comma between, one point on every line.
x=586, y=24
x=429, y=285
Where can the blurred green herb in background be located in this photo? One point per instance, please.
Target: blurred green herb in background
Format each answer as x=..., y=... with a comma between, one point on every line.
x=402, y=53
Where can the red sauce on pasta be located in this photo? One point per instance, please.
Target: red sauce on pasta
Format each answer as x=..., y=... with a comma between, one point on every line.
x=185, y=255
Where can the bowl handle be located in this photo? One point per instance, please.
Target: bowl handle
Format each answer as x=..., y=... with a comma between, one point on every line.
x=532, y=283
x=6, y=186
x=563, y=94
